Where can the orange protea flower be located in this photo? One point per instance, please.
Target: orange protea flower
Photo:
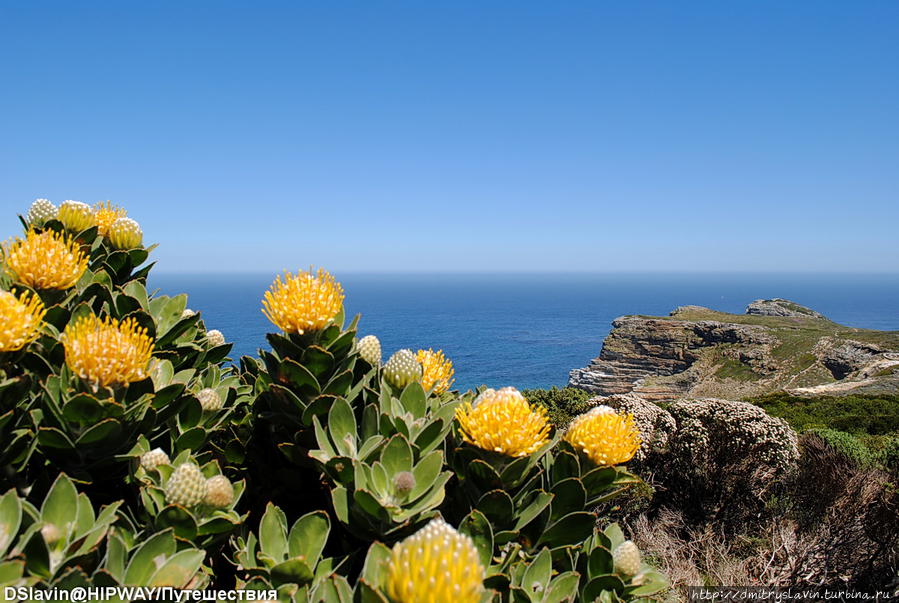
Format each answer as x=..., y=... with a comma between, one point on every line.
x=46, y=260
x=437, y=370
x=605, y=436
x=305, y=302
x=503, y=421
x=107, y=352
x=436, y=564
x=20, y=320
x=105, y=214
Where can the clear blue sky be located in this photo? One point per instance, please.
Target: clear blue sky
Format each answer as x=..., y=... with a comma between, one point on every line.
x=464, y=136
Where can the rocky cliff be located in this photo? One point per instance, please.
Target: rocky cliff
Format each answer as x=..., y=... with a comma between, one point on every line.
x=777, y=344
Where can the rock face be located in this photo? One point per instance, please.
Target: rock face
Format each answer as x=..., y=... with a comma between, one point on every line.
x=776, y=345
x=780, y=307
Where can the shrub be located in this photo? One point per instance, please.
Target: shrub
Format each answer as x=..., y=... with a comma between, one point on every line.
x=727, y=456
x=873, y=415
x=311, y=473
x=847, y=444
x=561, y=404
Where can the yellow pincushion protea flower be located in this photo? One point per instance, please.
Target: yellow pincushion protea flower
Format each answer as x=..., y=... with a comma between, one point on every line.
x=503, y=421
x=105, y=214
x=76, y=216
x=305, y=302
x=437, y=370
x=107, y=352
x=605, y=436
x=46, y=260
x=20, y=320
x=437, y=564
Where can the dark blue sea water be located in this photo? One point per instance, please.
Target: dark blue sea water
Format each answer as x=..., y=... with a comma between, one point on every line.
x=528, y=330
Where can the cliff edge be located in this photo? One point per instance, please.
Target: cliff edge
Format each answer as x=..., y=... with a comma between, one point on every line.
x=776, y=345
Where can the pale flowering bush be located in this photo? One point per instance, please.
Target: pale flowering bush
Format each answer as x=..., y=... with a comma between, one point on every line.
x=728, y=456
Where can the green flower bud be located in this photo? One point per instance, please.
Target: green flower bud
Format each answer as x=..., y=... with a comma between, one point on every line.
x=402, y=369
x=153, y=459
x=626, y=558
x=186, y=487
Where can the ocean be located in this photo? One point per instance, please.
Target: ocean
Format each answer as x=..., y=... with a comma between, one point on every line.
x=527, y=330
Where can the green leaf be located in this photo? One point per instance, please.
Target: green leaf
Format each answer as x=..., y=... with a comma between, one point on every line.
x=374, y=570
x=101, y=433
x=565, y=465
x=342, y=427
x=61, y=505
x=179, y=519
x=426, y=472
x=600, y=562
x=368, y=503
x=569, y=496
x=615, y=535
x=318, y=360
x=85, y=409
x=292, y=373
x=414, y=399
x=598, y=480
x=273, y=533
x=572, y=529
x=292, y=571
x=179, y=569
x=340, y=500
x=50, y=437
x=536, y=576
x=536, y=506
x=308, y=536
x=478, y=528
x=340, y=384
x=397, y=455
x=146, y=560
x=497, y=506
x=600, y=584
x=562, y=588
x=10, y=520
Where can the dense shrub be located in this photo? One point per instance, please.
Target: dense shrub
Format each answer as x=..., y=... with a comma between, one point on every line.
x=727, y=457
x=561, y=404
x=135, y=454
x=847, y=444
x=873, y=415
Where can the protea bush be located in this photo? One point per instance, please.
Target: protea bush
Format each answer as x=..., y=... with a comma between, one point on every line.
x=134, y=453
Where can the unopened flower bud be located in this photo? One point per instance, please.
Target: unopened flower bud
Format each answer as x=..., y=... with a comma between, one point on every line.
x=215, y=338
x=186, y=486
x=210, y=401
x=403, y=483
x=402, y=369
x=125, y=233
x=626, y=558
x=40, y=211
x=219, y=492
x=153, y=459
x=370, y=349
